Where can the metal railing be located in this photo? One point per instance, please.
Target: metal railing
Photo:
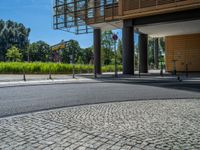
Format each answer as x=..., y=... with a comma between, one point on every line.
x=78, y=15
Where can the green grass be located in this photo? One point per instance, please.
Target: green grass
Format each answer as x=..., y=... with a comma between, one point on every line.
x=45, y=68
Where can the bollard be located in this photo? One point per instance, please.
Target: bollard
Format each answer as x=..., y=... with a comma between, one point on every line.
x=50, y=77
x=24, y=75
x=179, y=78
x=174, y=72
x=80, y=70
x=95, y=74
x=139, y=71
x=88, y=71
x=73, y=76
x=161, y=73
x=186, y=70
x=161, y=70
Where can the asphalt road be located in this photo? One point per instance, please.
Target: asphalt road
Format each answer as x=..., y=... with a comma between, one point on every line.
x=17, y=100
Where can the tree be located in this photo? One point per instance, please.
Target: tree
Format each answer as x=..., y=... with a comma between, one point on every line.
x=38, y=51
x=87, y=55
x=136, y=58
x=13, y=54
x=119, y=51
x=151, y=51
x=107, y=47
x=72, y=49
x=151, y=46
x=162, y=43
x=80, y=60
x=12, y=33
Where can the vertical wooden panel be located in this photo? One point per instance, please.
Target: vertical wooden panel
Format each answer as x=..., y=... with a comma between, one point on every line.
x=185, y=49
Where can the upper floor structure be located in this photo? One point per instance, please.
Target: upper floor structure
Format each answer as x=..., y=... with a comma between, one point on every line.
x=81, y=16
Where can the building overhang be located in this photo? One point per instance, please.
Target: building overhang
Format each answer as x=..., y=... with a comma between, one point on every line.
x=158, y=29
x=169, y=29
x=178, y=23
x=109, y=25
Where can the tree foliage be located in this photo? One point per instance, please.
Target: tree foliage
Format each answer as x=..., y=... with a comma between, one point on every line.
x=15, y=46
x=72, y=50
x=151, y=47
x=13, y=54
x=107, y=47
x=87, y=55
x=151, y=51
x=38, y=51
x=12, y=33
x=119, y=51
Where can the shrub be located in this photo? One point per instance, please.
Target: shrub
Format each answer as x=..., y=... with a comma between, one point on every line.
x=45, y=68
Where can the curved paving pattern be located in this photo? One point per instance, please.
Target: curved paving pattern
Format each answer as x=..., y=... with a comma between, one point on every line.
x=169, y=124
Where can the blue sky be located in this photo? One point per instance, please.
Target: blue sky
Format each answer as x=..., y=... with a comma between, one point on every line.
x=37, y=15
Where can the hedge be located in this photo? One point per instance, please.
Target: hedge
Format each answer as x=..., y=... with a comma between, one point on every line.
x=45, y=68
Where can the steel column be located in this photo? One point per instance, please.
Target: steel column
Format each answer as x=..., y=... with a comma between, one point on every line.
x=156, y=53
x=143, y=42
x=128, y=47
x=97, y=51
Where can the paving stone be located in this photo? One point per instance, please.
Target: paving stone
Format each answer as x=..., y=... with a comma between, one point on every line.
x=151, y=125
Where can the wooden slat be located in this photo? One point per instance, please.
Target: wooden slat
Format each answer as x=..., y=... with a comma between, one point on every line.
x=147, y=3
x=185, y=49
x=139, y=8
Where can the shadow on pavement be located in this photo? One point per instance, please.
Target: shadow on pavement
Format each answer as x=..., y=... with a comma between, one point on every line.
x=191, y=83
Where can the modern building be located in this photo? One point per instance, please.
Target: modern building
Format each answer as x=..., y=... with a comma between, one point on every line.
x=176, y=20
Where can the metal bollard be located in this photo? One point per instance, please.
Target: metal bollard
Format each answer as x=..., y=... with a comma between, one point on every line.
x=95, y=74
x=80, y=70
x=73, y=76
x=139, y=72
x=179, y=78
x=161, y=70
x=24, y=75
x=186, y=70
x=50, y=77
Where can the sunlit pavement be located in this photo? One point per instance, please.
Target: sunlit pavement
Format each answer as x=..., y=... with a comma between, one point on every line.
x=151, y=124
x=46, y=82
x=148, y=112
x=34, y=79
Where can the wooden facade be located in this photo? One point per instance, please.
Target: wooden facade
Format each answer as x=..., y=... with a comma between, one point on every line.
x=185, y=51
x=140, y=8
x=129, y=9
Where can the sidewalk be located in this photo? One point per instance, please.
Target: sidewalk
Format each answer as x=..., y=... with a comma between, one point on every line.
x=46, y=82
x=32, y=79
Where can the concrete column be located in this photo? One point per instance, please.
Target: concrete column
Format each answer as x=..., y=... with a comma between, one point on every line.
x=156, y=53
x=143, y=46
x=97, y=51
x=128, y=47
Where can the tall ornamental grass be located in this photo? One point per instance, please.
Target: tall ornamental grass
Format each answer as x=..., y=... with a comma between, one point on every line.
x=45, y=68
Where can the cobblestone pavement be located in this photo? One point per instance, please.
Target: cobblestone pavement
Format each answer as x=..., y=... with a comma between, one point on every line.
x=156, y=124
